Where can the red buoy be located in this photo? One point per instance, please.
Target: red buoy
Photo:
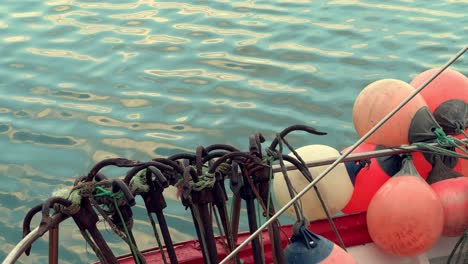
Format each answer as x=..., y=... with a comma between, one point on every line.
x=424, y=167
x=367, y=178
x=446, y=96
x=462, y=163
x=453, y=194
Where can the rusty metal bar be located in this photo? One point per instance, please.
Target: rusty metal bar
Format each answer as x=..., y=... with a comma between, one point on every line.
x=27, y=241
x=53, y=245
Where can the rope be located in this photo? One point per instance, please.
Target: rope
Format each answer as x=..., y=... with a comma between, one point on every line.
x=114, y=227
x=201, y=228
x=459, y=245
x=292, y=192
x=444, y=140
x=461, y=143
x=259, y=220
x=207, y=180
x=224, y=168
x=269, y=160
x=73, y=196
x=317, y=192
x=114, y=196
x=464, y=133
x=95, y=248
x=441, y=151
x=127, y=233
x=270, y=178
x=158, y=239
x=221, y=233
x=138, y=183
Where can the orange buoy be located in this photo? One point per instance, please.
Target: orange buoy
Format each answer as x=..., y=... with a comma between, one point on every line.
x=335, y=188
x=453, y=194
x=376, y=101
x=367, y=178
x=446, y=97
x=405, y=216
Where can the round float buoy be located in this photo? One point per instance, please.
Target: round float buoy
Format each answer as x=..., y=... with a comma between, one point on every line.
x=446, y=97
x=315, y=249
x=376, y=101
x=335, y=188
x=453, y=194
x=405, y=216
x=367, y=178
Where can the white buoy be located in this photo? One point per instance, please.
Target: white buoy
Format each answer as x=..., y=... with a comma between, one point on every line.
x=336, y=188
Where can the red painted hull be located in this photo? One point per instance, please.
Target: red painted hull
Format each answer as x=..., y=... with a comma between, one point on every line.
x=352, y=228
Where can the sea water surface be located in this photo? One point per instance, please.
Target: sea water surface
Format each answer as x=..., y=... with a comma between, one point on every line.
x=81, y=81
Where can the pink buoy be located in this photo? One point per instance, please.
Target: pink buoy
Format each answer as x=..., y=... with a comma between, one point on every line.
x=405, y=216
x=453, y=194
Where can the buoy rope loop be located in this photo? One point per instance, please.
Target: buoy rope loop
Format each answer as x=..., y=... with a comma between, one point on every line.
x=207, y=180
x=449, y=141
x=442, y=139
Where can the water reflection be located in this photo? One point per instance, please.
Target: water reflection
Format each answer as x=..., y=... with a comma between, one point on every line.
x=89, y=80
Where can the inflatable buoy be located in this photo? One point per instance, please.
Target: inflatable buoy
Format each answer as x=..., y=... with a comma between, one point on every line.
x=405, y=216
x=421, y=164
x=462, y=163
x=453, y=194
x=312, y=248
x=335, y=188
x=446, y=97
x=367, y=178
x=376, y=101
x=425, y=167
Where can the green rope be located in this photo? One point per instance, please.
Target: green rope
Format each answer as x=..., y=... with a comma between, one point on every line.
x=127, y=233
x=269, y=189
x=268, y=160
x=104, y=192
x=74, y=196
x=156, y=235
x=461, y=143
x=464, y=133
x=442, y=139
x=196, y=213
x=220, y=229
x=449, y=141
x=259, y=220
x=115, y=196
x=439, y=150
x=207, y=180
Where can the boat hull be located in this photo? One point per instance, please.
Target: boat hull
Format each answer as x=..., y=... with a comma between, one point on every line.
x=352, y=228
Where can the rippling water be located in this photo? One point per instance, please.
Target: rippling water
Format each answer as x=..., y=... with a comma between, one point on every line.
x=83, y=80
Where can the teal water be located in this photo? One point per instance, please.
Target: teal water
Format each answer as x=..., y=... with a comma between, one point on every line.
x=81, y=81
